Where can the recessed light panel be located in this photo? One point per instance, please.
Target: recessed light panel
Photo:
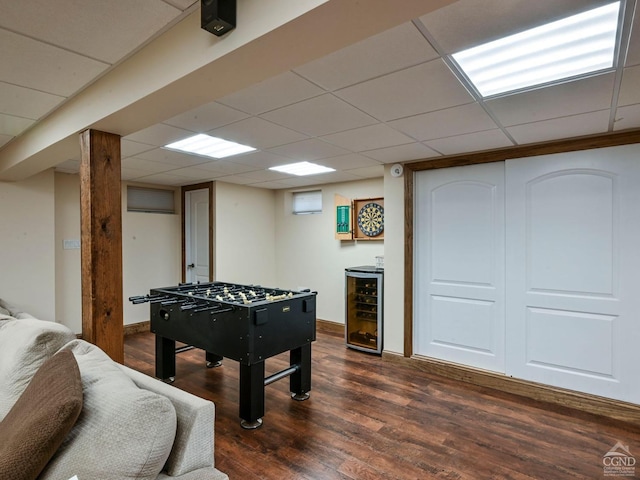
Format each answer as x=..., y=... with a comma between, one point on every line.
x=567, y=48
x=209, y=146
x=302, y=168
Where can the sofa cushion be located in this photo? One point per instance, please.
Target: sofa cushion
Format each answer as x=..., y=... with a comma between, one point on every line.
x=123, y=432
x=194, y=443
x=38, y=422
x=12, y=311
x=24, y=346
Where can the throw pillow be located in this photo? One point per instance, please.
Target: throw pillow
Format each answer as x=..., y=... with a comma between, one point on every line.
x=24, y=346
x=123, y=433
x=44, y=414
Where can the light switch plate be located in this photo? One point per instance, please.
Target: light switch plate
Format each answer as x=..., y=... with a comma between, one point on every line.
x=71, y=244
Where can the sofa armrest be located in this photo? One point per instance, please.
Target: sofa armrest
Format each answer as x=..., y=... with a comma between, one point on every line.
x=194, y=442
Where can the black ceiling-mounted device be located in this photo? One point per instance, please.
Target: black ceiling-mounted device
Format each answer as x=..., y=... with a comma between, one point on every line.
x=218, y=16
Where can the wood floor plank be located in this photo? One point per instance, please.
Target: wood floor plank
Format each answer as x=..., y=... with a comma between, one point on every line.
x=370, y=418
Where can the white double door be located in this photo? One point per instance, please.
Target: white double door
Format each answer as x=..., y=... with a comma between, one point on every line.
x=531, y=268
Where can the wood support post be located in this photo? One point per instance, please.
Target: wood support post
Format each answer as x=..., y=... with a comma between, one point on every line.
x=101, y=242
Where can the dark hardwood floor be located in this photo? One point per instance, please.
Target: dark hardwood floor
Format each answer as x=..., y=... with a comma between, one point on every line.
x=369, y=418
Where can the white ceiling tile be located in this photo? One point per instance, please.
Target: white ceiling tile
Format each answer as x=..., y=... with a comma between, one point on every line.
x=309, y=150
x=207, y=117
x=264, y=176
x=129, y=148
x=420, y=89
x=402, y=153
x=368, y=138
x=394, y=49
x=146, y=166
x=445, y=123
x=36, y=65
x=261, y=159
x=159, y=135
x=258, y=133
x=172, y=157
x=237, y=179
x=347, y=162
x=195, y=173
x=274, y=185
x=25, y=102
x=308, y=181
x=558, y=128
x=14, y=126
x=331, y=177
x=320, y=116
x=368, y=172
x=571, y=98
x=630, y=87
x=471, y=142
x=273, y=93
x=81, y=26
x=321, y=179
x=227, y=167
x=129, y=174
x=468, y=23
x=165, y=179
x=627, y=117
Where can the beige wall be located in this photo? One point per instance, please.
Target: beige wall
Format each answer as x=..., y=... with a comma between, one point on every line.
x=307, y=253
x=244, y=235
x=257, y=241
x=151, y=255
x=394, y=244
x=27, y=261
x=151, y=252
x=67, y=227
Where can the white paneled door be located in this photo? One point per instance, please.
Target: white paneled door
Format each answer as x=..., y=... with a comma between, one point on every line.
x=460, y=252
x=573, y=263
x=197, y=235
x=531, y=267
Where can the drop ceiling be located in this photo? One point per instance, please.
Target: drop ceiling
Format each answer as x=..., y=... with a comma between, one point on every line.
x=388, y=98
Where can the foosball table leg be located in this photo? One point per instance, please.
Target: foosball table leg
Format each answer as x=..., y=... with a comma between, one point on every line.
x=213, y=360
x=300, y=381
x=251, y=395
x=165, y=359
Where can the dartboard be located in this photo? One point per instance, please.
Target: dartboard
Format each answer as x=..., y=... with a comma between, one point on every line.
x=371, y=219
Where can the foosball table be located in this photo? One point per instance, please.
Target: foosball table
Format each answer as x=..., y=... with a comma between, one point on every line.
x=245, y=323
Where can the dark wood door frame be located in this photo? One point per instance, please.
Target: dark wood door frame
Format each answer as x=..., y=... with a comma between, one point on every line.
x=210, y=186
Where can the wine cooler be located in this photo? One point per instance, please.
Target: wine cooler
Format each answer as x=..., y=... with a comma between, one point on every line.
x=363, y=308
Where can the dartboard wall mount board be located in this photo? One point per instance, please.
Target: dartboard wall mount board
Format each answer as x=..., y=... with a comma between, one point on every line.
x=369, y=218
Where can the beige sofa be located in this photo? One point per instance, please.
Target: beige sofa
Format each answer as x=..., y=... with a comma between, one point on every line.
x=127, y=424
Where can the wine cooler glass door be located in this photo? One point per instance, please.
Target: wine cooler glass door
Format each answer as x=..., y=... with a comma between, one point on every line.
x=364, y=311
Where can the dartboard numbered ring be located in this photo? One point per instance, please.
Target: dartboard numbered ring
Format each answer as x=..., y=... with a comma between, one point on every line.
x=371, y=219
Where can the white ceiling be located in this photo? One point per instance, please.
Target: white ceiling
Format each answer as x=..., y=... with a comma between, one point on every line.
x=389, y=98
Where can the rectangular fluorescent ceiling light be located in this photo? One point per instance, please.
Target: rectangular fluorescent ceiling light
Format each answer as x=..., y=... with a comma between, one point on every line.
x=209, y=146
x=302, y=168
x=576, y=45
